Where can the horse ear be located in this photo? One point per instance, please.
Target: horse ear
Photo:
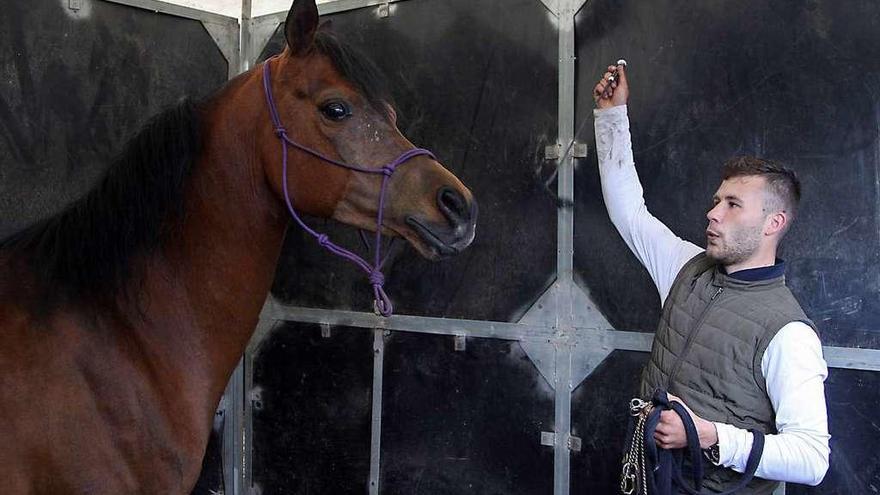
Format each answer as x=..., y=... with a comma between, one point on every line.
x=300, y=26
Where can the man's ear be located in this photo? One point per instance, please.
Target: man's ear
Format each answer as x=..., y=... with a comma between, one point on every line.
x=776, y=223
x=300, y=26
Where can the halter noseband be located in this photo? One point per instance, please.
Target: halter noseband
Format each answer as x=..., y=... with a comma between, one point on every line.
x=377, y=279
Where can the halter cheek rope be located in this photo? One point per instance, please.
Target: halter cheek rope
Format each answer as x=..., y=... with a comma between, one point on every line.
x=650, y=470
x=377, y=279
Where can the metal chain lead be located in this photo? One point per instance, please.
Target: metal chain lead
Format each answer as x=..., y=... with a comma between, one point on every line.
x=633, y=475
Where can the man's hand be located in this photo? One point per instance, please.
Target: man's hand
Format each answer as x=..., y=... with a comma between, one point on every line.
x=609, y=93
x=670, y=432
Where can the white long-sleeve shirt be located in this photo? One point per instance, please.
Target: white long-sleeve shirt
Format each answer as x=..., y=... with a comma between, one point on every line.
x=792, y=365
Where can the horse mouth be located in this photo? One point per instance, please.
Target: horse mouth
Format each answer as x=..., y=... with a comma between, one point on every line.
x=440, y=243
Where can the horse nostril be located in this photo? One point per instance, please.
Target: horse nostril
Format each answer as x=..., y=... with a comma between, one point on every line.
x=452, y=204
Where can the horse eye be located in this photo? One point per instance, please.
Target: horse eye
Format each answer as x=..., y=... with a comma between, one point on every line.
x=335, y=110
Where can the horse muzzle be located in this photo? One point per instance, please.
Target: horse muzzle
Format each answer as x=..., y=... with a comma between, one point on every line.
x=451, y=236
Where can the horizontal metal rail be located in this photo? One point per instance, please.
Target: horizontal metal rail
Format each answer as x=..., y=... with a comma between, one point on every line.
x=178, y=10
x=837, y=357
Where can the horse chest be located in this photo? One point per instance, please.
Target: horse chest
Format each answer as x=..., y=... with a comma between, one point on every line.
x=87, y=418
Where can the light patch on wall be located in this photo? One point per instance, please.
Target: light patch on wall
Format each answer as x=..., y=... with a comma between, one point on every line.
x=77, y=9
x=231, y=8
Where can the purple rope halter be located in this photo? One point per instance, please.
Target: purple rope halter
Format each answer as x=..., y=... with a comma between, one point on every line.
x=377, y=279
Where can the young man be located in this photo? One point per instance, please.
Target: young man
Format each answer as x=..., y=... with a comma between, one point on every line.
x=733, y=344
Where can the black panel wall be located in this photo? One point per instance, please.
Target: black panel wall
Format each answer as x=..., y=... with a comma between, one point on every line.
x=600, y=418
x=75, y=87
x=312, y=410
x=794, y=81
x=475, y=82
x=855, y=465
x=463, y=421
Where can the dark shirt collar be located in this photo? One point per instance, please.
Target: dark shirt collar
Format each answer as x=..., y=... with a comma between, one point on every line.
x=758, y=274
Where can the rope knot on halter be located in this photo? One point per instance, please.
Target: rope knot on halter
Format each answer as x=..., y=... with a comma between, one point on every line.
x=323, y=240
x=382, y=303
x=377, y=279
x=387, y=170
x=280, y=130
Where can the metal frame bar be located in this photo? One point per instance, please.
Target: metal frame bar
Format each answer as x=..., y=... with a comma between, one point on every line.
x=260, y=28
x=624, y=340
x=376, y=422
x=224, y=30
x=160, y=7
x=247, y=33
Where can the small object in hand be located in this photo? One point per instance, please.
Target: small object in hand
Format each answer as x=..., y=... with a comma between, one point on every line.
x=613, y=77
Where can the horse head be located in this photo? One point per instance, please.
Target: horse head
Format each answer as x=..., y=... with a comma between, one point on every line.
x=329, y=100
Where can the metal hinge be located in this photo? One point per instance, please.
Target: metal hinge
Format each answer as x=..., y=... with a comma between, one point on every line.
x=74, y=4
x=256, y=398
x=384, y=10
x=554, y=151
x=460, y=342
x=548, y=439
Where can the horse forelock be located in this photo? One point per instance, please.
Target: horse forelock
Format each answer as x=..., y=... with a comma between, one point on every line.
x=356, y=68
x=86, y=251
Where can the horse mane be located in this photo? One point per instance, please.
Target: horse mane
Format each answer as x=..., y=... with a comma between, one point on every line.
x=85, y=251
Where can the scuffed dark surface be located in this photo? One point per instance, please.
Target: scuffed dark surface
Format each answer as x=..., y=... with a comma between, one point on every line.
x=77, y=86
x=463, y=421
x=852, y=409
x=311, y=423
x=600, y=416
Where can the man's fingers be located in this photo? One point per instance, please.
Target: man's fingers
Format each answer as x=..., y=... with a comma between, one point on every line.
x=663, y=441
x=621, y=73
x=667, y=417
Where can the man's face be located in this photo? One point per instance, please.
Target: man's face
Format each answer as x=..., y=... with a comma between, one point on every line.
x=736, y=221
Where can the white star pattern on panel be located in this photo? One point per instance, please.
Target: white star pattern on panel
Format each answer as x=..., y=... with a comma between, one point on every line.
x=232, y=8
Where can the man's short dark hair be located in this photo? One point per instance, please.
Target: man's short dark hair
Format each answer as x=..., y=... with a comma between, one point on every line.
x=783, y=186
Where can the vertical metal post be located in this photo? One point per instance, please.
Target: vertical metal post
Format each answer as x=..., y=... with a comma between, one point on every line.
x=565, y=244
x=233, y=426
x=246, y=35
x=376, y=427
x=562, y=416
x=565, y=186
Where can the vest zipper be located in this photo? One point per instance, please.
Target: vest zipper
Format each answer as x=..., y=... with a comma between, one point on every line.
x=691, y=337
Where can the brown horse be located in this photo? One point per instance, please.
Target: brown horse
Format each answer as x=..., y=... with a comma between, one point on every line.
x=122, y=317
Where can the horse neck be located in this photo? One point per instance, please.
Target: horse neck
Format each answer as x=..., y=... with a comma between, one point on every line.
x=230, y=238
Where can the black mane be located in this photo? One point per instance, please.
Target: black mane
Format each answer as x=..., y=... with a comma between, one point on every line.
x=85, y=251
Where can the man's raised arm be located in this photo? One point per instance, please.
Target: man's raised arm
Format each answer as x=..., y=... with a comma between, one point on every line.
x=656, y=247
